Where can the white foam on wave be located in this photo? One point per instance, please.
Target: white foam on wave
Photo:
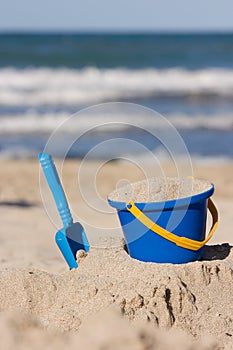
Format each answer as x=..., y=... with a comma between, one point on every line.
x=17, y=152
x=214, y=122
x=47, y=123
x=31, y=123
x=65, y=87
x=23, y=152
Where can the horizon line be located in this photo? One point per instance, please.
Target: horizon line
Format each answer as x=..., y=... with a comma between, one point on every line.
x=115, y=31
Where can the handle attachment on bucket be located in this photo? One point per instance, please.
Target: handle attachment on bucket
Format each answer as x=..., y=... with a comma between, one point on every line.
x=183, y=242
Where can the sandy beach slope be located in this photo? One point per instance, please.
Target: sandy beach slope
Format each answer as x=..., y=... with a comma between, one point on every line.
x=195, y=298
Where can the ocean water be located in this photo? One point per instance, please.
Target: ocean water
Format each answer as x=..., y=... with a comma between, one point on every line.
x=45, y=78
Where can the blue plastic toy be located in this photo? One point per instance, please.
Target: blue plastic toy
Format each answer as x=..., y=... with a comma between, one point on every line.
x=71, y=237
x=148, y=235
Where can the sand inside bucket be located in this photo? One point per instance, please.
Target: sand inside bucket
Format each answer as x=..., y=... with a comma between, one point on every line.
x=159, y=189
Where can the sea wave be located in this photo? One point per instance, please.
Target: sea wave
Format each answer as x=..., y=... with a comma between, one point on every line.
x=47, y=123
x=35, y=87
x=24, y=152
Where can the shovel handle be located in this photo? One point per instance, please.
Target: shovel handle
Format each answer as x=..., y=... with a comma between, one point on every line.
x=55, y=186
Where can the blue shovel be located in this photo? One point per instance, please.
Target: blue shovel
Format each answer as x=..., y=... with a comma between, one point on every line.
x=71, y=237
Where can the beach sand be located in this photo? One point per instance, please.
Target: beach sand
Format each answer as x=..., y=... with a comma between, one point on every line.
x=111, y=301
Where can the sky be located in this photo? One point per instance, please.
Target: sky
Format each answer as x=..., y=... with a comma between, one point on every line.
x=118, y=15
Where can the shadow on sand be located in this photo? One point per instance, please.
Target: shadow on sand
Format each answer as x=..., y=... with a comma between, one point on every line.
x=216, y=252
x=20, y=203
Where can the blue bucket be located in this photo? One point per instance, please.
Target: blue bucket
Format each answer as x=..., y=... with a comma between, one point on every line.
x=147, y=228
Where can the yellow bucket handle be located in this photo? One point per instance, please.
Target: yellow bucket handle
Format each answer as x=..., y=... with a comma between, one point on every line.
x=183, y=242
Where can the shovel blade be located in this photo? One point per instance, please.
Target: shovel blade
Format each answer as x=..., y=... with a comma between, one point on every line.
x=77, y=238
x=65, y=249
x=70, y=241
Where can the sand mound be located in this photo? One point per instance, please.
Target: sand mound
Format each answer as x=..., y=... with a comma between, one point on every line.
x=196, y=298
x=23, y=332
x=159, y=189
x=107, y=330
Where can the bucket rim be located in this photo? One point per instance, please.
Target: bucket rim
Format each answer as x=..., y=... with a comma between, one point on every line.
x=169, y=204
